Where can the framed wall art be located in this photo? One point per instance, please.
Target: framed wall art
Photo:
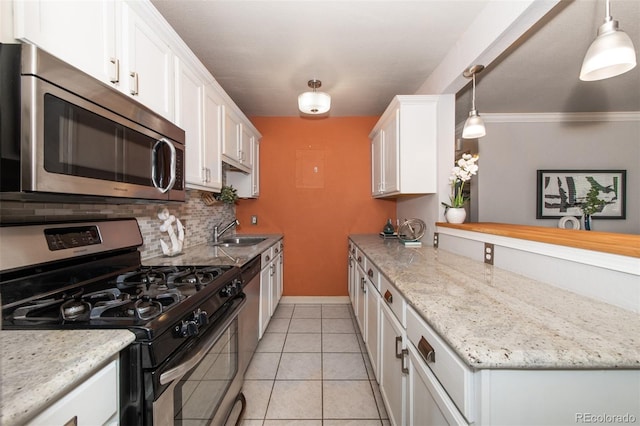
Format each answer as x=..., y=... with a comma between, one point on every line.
x=566, y=192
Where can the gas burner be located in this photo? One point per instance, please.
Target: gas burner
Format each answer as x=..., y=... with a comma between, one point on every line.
x=145, y=309
x=146, y=276
x=75, y=310
x=194, y=276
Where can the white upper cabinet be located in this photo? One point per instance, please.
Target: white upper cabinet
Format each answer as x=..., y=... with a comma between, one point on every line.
x=248, y=184
x=148, y=64
x=212, y=135
x=82, y=33
x=106, y=39
x=198, y=108
x=403, y=147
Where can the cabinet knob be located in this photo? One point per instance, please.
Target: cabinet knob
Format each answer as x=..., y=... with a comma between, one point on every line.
x=370, y=273
x=359, y=259
x=426, y=350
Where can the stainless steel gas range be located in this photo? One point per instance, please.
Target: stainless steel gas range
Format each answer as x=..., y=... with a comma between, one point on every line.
x=184, y=364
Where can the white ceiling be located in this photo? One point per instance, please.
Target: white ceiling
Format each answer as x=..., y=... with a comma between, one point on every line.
x=263, y=53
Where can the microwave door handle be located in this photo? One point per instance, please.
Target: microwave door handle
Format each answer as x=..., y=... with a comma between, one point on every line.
x=154, y=165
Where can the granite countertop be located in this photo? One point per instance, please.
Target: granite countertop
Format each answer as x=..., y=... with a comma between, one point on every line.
x=494, y=318
x=208, y=254
x=38, y=367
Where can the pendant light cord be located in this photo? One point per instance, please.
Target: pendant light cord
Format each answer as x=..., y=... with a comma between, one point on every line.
x=473, y=92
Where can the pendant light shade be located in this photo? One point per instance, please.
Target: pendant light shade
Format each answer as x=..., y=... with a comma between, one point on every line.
x=474, y=126
x=314, y=102
x=611, y=53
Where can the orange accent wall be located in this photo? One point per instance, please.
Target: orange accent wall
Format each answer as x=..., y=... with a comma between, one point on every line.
x=315, y=189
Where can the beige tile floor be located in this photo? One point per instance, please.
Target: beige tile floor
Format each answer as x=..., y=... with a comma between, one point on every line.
x=311, y=369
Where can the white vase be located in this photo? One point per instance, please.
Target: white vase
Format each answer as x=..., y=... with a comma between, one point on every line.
x=455, y=215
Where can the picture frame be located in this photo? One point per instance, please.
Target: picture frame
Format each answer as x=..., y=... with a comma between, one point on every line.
x=562, y=192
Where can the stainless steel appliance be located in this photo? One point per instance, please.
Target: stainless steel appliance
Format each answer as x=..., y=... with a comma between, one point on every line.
x=184, y=365
x=65, y=133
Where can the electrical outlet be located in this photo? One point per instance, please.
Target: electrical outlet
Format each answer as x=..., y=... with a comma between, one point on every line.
x=254, y=219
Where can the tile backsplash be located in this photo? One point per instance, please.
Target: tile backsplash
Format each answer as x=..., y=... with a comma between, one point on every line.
x=197, y=218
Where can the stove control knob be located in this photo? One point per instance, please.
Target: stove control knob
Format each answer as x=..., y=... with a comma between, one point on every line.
x=187, y=328
x=201, y=317
x=229, y=290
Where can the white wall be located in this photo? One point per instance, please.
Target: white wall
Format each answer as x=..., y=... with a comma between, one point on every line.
x=518, y=145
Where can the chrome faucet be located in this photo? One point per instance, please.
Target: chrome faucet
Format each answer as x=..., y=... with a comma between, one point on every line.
x=217, y=234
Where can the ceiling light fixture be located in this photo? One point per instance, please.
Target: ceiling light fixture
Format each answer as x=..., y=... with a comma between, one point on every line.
x=611, y=53
x=474, y=126
x=314, y=102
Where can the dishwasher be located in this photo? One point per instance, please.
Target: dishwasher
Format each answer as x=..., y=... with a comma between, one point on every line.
x=248, y=318
x=247, y=332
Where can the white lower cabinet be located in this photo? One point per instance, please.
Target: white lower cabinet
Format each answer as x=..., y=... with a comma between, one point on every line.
x=393, y=374
x=424, y=382
x=428, y=403
x=93, y=402
x=271, y=284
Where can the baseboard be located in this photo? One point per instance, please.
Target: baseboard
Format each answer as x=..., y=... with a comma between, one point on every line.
x=317, y=300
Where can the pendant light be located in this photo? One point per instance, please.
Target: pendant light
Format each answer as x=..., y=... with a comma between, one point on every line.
x=474, y=126
x=611, y=53
x=314, y=102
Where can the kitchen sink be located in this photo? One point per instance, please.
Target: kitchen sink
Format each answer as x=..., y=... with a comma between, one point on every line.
x=240, y=241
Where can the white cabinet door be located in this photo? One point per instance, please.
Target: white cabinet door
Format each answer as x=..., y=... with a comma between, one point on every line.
x=352, y=274
x=81, y=33
x=361, y=306
x=246, y=151
x=231, y=139
x=276, y=282
x=212, y=138
x=428, y=403
x=248, y=184
x=149, y=64
x=390, y=146
x=189, y=117
x=392, y=377
x=377, y=178
x=372, y=329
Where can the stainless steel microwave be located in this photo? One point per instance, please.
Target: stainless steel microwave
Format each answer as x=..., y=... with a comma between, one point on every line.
x=66, y=135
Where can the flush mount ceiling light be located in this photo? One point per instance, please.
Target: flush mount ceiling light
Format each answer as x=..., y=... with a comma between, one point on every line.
x=314, y=102
x=474, y=126
x=611, y=53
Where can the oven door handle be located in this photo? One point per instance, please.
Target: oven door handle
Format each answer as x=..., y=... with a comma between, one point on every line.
x=201, y=350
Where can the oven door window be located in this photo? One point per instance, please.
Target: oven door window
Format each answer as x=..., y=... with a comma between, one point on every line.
x=200, y=392
x=79, y=142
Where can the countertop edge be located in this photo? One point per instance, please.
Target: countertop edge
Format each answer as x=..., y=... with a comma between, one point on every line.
x=26, y=390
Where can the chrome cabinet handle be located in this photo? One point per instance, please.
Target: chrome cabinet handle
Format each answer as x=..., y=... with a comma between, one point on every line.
x=403, y=367
x=398, y=340
x=426, y=350
x=362, y=283
x=115, y=77
x=133, y=76
x=388, y=297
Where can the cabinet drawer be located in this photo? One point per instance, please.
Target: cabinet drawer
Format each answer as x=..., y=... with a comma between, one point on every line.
x=373, y=275
x=93, y=402
x=393, y=299
x=455, y=376
x=267, y=256
x=277, y=248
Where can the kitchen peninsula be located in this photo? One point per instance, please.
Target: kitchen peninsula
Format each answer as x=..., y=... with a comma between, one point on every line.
x=513, y=345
